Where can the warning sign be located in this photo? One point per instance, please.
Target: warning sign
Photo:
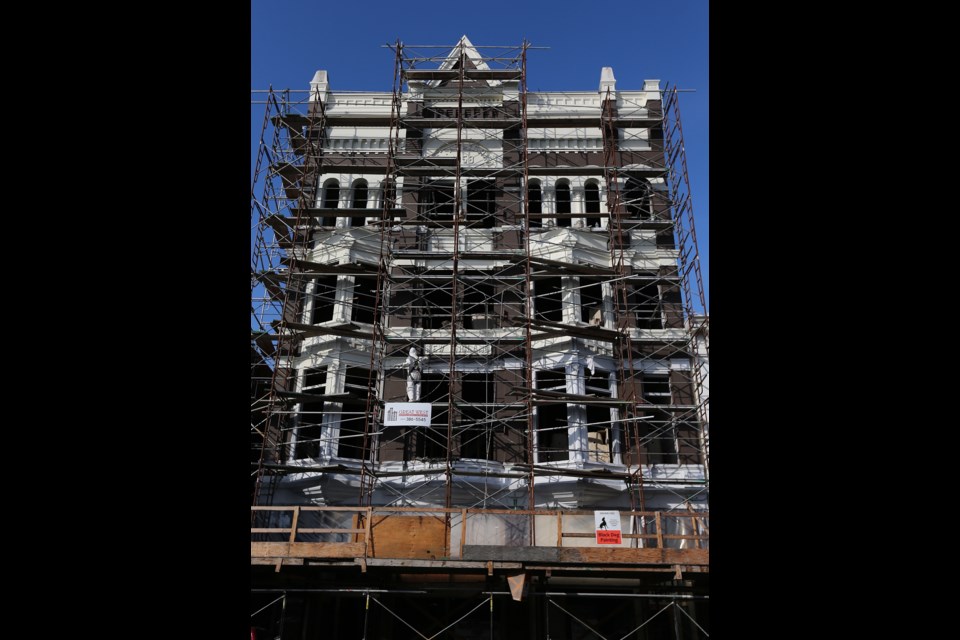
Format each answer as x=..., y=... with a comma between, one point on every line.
x=607, y=525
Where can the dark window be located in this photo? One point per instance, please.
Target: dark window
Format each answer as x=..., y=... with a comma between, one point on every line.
x=637, y=198
x=331, y=200
x=359, y=202
x=315, y=380
x=350, y=444
x=430, y=300
x=657, y=439
x=591, y=199
x=432, y=441
x=310, y=418
x=357, y=381
x=479, y=299
x=481, y=203
x=552, y=421
x=388, y=193
x=535, y=200
x=656, y=389
x=599, y=433
x=619, y=239
x=563, y=203
x=476, y=415
x=324, y=297
x=436, y=200
x=591, y=302
x=688, y=442
x=645, y=302
x=657, y=432
x=364, y=298
x=548, y=294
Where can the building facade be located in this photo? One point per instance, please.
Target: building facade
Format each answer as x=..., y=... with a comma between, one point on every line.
x=477, y=307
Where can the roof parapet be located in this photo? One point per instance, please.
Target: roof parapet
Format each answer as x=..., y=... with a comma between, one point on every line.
x=607, y=81
x=319, y=86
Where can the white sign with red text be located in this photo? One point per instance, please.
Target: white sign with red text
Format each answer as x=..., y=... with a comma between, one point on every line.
x=407, y=414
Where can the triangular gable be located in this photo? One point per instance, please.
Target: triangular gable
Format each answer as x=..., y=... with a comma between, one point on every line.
x=473, y=61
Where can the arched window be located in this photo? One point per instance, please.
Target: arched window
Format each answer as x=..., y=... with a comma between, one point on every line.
x=637, y=198
x=535, y=200
x=359, y=202
x=563, y=202
x=331, y=200
x=387, y=194
x=591, y=200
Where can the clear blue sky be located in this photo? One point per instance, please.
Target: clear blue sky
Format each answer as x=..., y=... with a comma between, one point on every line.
x=667, y=40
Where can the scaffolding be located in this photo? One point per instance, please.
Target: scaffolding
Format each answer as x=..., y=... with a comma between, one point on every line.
x=478, y=613
x=444, y=243
x=458, y=261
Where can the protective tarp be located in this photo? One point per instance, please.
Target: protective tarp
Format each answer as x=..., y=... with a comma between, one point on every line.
x=498, y=529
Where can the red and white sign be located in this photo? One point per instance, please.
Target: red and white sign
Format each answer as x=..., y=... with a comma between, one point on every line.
x=607, y=525
x=401, y=414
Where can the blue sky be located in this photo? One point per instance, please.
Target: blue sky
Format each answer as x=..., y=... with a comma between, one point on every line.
x=291, y=39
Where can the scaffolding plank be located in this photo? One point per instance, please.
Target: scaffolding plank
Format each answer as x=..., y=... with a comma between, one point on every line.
x=507, y=255
x=461, y=339
x=446, y=224
x=358, y=119
x=353, y=164
x=286, y=561
x=469, y=172
x=439, y=564
x=280, y=224
x=414, y=122
x=318, y=268
x=586, y=555
x=534, y=170
x=579, y=268
x=341, y=212
x=636, y=122
x=639, y=223
x=627, y=223
x=346, y=330
x=591, y=170
x=545, y=120
x=597, y=555
x=492, y=74
x=468, y=277
x=292, y=121
x=431, y=74
x=342, y=398
x=538, y=120
x=349, y=212
x=592, y=332
x=416, y=162
x=271, y=282
x=419, y=222
x=515, y=554
x=314, y=397
x=265, y=340
x=307, y=549
x=403, y=536
x=541, y=216
x=453, y=74
x=573, y=397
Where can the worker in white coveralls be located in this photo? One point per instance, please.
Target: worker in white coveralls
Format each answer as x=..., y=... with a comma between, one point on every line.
x=413, y=375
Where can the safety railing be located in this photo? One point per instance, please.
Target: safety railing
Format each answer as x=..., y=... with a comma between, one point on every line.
x=443, y=534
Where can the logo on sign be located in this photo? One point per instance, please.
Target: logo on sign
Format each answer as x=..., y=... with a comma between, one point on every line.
x=607, y=525
x=414, y=414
